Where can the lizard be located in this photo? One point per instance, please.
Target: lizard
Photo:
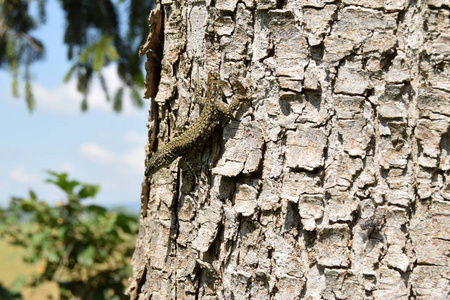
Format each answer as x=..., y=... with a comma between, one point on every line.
x=195, y=136
x=199, y=132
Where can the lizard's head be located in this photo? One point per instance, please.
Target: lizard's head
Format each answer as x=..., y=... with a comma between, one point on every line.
x=158, y=161
x=213, y=74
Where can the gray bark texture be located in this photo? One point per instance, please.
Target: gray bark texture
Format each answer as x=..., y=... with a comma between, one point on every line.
x=333, y=183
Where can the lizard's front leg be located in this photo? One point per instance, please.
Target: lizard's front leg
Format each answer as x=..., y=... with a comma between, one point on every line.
x=241, y=95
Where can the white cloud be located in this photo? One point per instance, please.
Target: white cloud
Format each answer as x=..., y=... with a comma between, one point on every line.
x=97, y=153
x=62, y=99
x=66, y=99
x=20, y=174
x=133, y=137
x=134, y=159
x=67, y=167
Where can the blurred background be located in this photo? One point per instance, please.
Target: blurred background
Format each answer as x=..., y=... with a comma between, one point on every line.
x=72, y=138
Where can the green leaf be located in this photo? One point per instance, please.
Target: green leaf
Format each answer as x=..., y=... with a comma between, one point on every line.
x=27, y=205
x=10, y=46
x=138, y=79
x=38, y=238
x=32, y=195
x=137, y=99
x=29, y=96
x=62, y=231
x=84, y=57
x=103, y=85
x=41, y=8
x=84, y=105
x=14, y=88
x=58, y=175
x=84, y=78
x=62, y=182
x=53, y=257
x=70, y=73
x=110, y=50
x=110, y=223
x=88, y=190
x=118, y=100
x=124, y=221
x=95, y=209
x=100, y=52
x=18, y=283
x=99, y=58
x=86, y=257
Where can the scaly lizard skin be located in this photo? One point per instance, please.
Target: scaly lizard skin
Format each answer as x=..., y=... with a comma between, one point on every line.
x=200, y=131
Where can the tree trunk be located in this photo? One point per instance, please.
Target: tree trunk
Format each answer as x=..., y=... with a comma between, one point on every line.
x=333, y=183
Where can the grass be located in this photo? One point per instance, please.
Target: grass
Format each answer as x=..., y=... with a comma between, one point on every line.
x=12, y=265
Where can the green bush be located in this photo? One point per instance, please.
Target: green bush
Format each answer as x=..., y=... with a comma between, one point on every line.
x=6, y=294
x=85, y=248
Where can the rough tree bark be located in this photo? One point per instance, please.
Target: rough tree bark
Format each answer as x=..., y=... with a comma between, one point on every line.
x=333, y=184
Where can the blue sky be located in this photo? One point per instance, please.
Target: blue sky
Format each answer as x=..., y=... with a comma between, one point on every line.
x=99, y=146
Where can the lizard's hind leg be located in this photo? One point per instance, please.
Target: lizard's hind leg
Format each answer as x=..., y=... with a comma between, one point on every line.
x=189, y=176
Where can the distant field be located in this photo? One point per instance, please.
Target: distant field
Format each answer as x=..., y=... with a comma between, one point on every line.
x=11, y=266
